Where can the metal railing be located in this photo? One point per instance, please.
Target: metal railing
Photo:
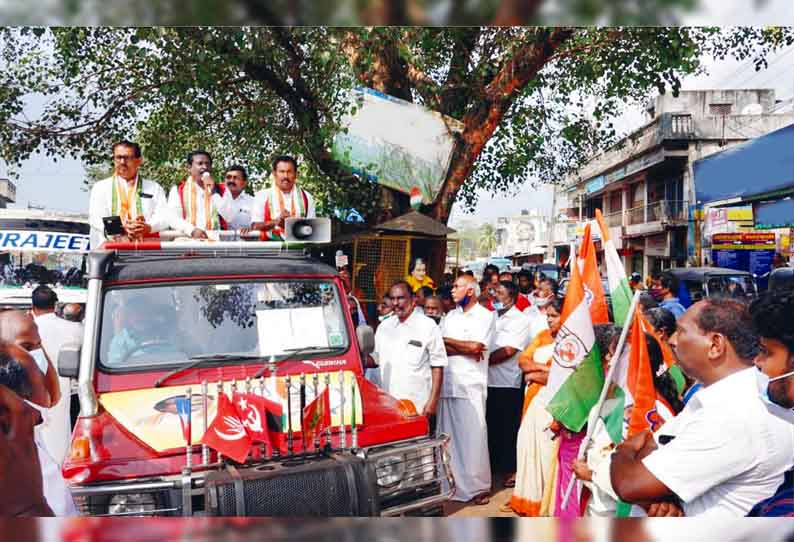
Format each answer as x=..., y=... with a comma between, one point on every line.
x=658, y=211
x=614, y=220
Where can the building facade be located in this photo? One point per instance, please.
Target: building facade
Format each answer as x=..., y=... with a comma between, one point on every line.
x=644, y=185
x=523, y=238
x=8, y=193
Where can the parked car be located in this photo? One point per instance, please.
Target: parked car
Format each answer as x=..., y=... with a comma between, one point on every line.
x=710, y=281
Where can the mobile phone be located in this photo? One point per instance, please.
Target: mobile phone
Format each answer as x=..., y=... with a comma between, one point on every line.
x=113, y=225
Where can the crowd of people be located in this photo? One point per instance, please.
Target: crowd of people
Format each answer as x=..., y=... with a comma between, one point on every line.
x=720, y=441
x=198, y=203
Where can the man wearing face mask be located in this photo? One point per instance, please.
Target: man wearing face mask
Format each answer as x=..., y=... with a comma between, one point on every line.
x=21, y=337
x=664, y=287
x=20, y=341
x=410, y=353
x=772, y=320
x=727, y=449
x=434, y=308
x=54, y=333
x=468, y=333
x=503, y=406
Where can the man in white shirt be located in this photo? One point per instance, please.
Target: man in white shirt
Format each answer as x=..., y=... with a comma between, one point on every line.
x=197, y=204
x=505, y=399
x=282, y=200
x=468, y=332
x=410, y=353
x=236, y=179
x=140, y=204
x=725, y=451
x=56, y=430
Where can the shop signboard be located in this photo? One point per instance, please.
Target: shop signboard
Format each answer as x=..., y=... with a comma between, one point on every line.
x=753, y=252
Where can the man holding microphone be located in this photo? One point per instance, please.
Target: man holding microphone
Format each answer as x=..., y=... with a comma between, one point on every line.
x=197, y=203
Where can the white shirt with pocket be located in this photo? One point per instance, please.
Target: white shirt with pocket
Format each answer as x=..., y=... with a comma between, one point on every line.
x=240, y=211
x=406, y=353
x=726, y=451
x=513, y=329
x=153, y=205
x=464, y=377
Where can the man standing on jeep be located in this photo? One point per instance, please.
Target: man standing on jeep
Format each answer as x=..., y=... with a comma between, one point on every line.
x=140, y=204
x=198, y=204
x=284, y=199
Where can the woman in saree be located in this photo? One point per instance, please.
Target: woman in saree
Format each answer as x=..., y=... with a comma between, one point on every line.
x=536, y=452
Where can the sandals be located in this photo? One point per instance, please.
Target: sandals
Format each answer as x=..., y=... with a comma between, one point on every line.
x=506, y=507
x=482, y=499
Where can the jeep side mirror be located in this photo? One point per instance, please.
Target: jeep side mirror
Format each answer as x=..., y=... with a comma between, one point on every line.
x=69, y=360
x=366, y=339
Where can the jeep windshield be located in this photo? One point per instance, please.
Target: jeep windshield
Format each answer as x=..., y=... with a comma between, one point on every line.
x=172, y=325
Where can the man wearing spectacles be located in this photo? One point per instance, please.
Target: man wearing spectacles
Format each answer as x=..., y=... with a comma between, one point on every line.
x=140, y=204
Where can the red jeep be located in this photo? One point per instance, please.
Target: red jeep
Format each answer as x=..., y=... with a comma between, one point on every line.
x=170, y=324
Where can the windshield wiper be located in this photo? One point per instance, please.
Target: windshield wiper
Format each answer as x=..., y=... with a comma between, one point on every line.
x=292, y=353
x=205, y=359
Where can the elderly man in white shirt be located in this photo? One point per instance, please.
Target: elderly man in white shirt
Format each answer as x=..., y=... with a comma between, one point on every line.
x=725, y=451
x=197, y=204
x=140, y=204
x=468, y=333
x=236, y=179
x=56, y=431
x=410, y=353
x=514, y=331
x=282, y=200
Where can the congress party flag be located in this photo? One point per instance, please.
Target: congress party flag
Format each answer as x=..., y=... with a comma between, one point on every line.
x=591, y=279
x=576, y=375
x=619, y=290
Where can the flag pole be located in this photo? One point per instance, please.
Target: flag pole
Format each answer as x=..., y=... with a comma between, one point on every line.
x=607, y=381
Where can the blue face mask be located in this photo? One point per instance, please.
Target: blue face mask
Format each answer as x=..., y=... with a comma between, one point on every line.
x=465, y=301
x=498, y=305
x=40, y=359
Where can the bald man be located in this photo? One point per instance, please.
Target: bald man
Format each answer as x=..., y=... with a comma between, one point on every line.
x=468, y=332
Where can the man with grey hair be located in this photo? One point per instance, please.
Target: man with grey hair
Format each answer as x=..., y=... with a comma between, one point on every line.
x=468, y=331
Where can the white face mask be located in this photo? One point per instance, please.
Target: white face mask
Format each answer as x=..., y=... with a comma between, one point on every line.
x=40, y=358
x=765, y=380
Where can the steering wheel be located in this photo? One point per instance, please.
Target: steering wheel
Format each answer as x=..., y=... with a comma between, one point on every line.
x=143, y=345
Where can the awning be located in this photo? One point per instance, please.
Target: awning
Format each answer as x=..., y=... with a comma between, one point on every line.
x=761, y=166
x=774, y=214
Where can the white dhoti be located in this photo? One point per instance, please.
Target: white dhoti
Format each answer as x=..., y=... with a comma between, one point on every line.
x=56, y=431
x=463, y=419
x=56, y=491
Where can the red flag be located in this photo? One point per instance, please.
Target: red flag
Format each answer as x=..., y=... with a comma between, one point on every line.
x=227, y=434
x=317, y=415
x=252, y=411
x=640, y=380
x=594, y=290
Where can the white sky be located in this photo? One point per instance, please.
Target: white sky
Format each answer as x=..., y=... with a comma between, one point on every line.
x=57, y=184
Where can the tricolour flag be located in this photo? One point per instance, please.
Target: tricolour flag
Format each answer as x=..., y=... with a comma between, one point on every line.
x=591, y=278
x=316, y=416
x=576, y=375
x=619, y=290
x=227, y=433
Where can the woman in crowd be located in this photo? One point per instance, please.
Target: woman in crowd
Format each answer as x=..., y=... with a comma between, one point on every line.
x=600, y=499
x=536, y=451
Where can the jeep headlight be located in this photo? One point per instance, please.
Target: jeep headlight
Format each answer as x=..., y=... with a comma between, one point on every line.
x=390, y=470
x=131, y=504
